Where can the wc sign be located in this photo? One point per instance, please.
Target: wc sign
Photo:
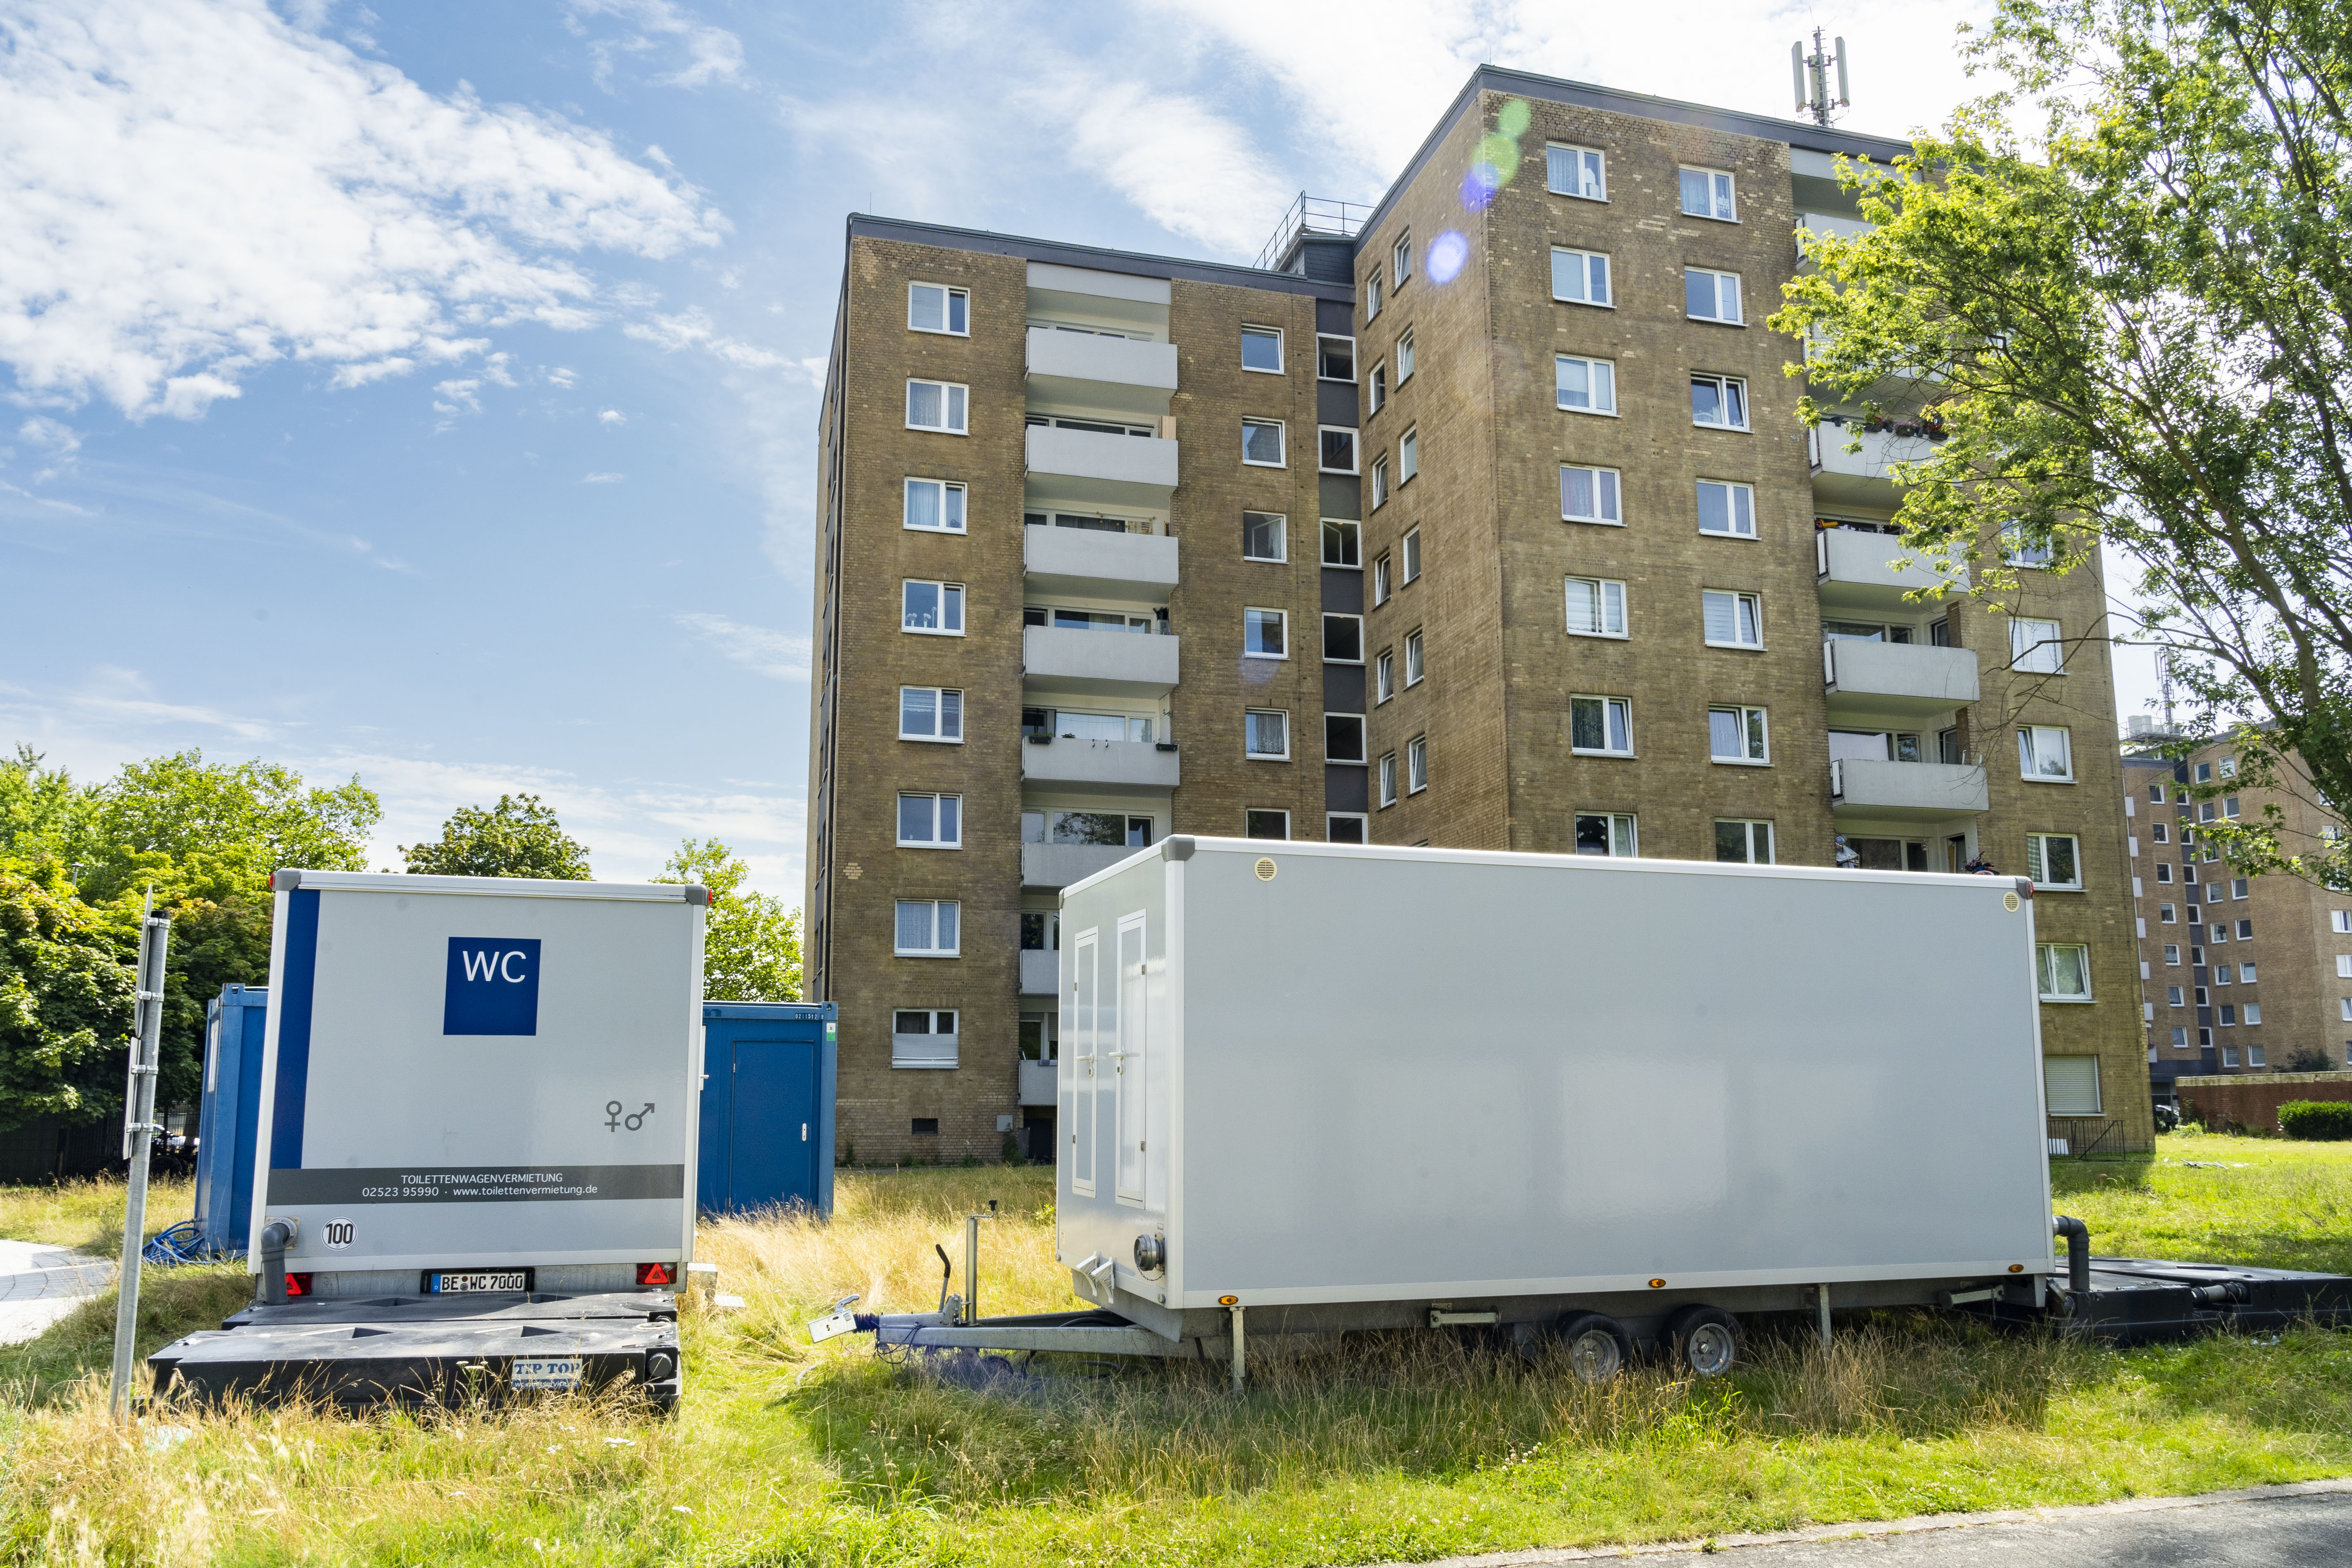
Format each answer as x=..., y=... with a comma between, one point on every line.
x=493, y=986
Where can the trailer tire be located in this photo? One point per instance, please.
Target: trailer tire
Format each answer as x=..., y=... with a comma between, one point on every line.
x=1703, y=1340
x=1597, y=1345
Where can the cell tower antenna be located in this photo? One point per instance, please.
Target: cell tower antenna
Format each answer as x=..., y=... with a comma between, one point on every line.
x=1812, y=77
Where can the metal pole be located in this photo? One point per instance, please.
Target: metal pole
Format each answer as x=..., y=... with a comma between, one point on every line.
x=972, y=1267
x=139, y=1128
x=1822, y=1295
x=1241, y=1365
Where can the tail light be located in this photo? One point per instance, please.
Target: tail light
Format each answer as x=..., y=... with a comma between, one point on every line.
x=656, y=1273
x=297, y=1285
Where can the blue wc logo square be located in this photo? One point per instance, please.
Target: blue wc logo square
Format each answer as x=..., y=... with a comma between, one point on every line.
x=493, y=987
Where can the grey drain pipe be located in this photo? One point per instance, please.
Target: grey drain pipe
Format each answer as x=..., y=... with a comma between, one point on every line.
x=276, y=1237
x=2078, y=1252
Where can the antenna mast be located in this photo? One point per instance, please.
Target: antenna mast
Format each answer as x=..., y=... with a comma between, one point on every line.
x=1811, y=74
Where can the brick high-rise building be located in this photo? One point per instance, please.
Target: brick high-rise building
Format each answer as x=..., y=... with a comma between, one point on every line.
x=1482, y=518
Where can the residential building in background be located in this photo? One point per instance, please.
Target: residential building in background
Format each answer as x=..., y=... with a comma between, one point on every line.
x=1480, y=518
x=2238, y=974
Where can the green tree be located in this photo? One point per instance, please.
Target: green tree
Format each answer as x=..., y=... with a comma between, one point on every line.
x=518, y=836
x=751, y=943
x=219, y=828
x=64, y=1003
x=2135, y=329
x=41, y=811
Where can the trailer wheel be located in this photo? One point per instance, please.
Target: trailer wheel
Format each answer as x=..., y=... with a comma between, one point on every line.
x=1703, y=1340
x=1597, y=1344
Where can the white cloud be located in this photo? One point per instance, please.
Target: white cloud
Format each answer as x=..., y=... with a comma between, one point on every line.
x=814, y=368
x=612, y=417
x=196, y=188
x=115, y=699
x=779, y=656
x=693, y=330
x=710, y=54
x=461, y=397
x=602, y=479
x=563, y=377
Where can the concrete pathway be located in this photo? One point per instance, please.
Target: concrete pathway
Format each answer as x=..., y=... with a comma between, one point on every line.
x=2260, y=1527
x=39, y=1284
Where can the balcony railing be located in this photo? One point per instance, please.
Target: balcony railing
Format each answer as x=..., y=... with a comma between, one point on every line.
x=1858, y=570
x=1037, y=1085
x=1088, y=465
x=1041, y=972
x=1066, y=659
x=1911, y=679
x=1907, y=791
x=1080, y=561
x=1123, y=767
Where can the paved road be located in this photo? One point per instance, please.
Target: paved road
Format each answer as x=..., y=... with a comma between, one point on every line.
x=2264, y=1527
x=40, y=1284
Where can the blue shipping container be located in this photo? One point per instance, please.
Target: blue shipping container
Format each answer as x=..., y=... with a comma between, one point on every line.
x=767, y=1105
x=229, y=1116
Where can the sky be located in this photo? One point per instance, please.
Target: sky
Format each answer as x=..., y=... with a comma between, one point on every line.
x=430, y=393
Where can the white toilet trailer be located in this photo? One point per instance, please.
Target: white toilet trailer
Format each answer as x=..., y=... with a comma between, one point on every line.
x=1338, y=1086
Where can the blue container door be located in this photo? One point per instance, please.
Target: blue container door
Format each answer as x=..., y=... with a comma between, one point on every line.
x=239, y=1204
x=771, y=1116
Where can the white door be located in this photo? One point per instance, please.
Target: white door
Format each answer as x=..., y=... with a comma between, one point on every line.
x=1127, y=1077
x=1083, y=1058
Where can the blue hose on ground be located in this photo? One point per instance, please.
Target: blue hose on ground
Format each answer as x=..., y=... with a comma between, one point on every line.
x=182, y=1243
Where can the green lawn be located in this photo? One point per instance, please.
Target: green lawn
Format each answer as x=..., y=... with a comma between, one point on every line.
x=1415, y=1447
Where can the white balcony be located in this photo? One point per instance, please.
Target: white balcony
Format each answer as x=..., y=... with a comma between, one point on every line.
x=1086, y=561
x=1864, y=478
x=1905, y=792
x=1041, y=972
x=1837, y=225
x=1062, y=660
x=1037, y=1085
x=1102, y=767
x=1859, y=571
x=1059, y=864
x=1118, y=376
x=1897, y=680
x=1089, y=466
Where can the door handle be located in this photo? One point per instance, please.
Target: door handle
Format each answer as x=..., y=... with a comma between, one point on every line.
x=803, y=1132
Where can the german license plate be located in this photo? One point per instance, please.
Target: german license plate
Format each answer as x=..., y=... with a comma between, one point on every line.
x=476, y=1281
x=546, y=1372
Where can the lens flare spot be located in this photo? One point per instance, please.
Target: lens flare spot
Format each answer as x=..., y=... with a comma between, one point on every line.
x=1479, y=185
x=1503, y=151
x=1513, y=117
x=1447, y=253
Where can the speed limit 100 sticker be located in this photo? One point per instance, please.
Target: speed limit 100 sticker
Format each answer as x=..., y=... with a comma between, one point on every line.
x=337, y=1232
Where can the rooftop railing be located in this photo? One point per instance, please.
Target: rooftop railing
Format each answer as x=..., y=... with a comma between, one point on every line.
x=1312, y=214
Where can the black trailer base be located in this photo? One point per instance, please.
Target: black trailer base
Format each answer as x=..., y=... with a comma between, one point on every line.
x=418, y=1350
x=2144, y=1300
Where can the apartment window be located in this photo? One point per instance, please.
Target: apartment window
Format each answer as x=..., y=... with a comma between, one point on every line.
x=2035, y=648
x=926, y=928
x=1343, y=638
x=2065, y=969
x=2180, y=1036
x=2230, y=806
x=1416, y=764
x=1404, y=357
x=930, y=821
x=1727, y=509
x=1600, y=726
x=1408, y=458
x=1588, y=495
x=2221, y=932
x=1707, y=193
x=935, y=608
x=933, y=308
x=2204, y=775
x=1384, y=676
x=934, y=506
x=1371, y=295
x=1335, y=358
x=2172, y=997
x=2021, y=548
x=1343, y=543
x=1413, y=670
x=1581, y=172
x=1585, y=386
x=2254, y=1051
x=1579, y=276
x=2155, y=794
x=1596, y=607
x=1732, y=620
x=1265, y=735
x=2158, y=832
x=936, y=405
x=1260, y=822
x=1346, y=827
x=2166, y=914
x=1266, y=633
x=1606, y=832
x=2172, y=953
x=1387, y=797
x=2225, y=974
x=2227, y=1017
x=1266, y=536
x=1343, y=737
x=2245, y=931
x=1262, y=443
x=1750, y=843
x=1711, y=296
x=2229, y=1053
x=2164, y=871
x=1379, y=482
x=1380, y=398
x=2071, y=1085
x=1261, y=350
x=1720, y=401
x=2054, y=860
x=2239, y=887
x=2045, y=752
x=931, y=713
x=1381, y=582
x=1411, y=547
x=1737, y=735
x=1401, y=258
x=2228, y=768
x=1338, y=444
x=923, y=1038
